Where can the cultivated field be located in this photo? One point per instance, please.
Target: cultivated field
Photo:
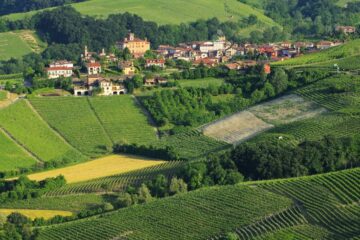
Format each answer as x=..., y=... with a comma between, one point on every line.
x=161, y=12
x=102, y=167
x=18, y=44
x=123, y=120
x=316, y=207
x=46, y=214
x=286, y=109
x=31, y=132
x=195, y=215
x=236, y=128
x=200, y=83
x=76, y=122
x=12, y=156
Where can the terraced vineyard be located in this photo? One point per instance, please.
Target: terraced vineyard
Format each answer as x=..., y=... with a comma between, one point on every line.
x=123, y=120
x=195, y=215
x=118, y=182
x=76, y=122
x=28, y=130
x=330, y=200
x=322, y=207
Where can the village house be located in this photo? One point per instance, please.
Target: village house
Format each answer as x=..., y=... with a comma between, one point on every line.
x=322, y=45
x=154, y=81
x=345, y=29
x=108, y=87
x=59, y=69
x=93, y=67
x=108, y=57
x=155, y=62
x=127, y=67
x=87, y=56
x=136, y=46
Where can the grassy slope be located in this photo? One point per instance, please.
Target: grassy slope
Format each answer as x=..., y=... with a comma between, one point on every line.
x=27, y=128
x=12, y=156
x=3, y=95
x=19, y=43
x=351, y=48
x=123, y=120
x=332, y=212
x=163, y=12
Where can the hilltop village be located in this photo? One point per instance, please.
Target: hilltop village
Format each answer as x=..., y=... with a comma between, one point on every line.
x=105, y=73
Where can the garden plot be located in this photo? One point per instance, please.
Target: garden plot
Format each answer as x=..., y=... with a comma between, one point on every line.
x=236, y=128
x=287, y=109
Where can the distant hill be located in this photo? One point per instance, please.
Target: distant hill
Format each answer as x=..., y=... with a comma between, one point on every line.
x=164, y=12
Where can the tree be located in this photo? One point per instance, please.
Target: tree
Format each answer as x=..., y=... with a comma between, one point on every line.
x=279, y=80
x=124, y=200
x=177, y=186
x=3, y=220
x=107, y=207
x=159, y=186
x=144, y=194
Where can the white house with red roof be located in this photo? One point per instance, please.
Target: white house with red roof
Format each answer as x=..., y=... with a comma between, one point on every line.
x=155, y=62
x=59, y=69
x=93, y=68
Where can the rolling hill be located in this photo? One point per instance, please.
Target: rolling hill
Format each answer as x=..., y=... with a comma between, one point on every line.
x=165, y=12
x=287, y=208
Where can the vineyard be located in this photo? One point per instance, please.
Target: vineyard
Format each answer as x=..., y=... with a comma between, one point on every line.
x=322, y=207
x=123, y=120
x=200, y=214
x=28, y=130
x=76, y=122
x=118, y=182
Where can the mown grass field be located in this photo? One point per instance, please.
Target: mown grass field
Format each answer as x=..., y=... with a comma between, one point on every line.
x=123, y=120
x=340, y=53
x=23, y=124
x=200, y=83
x=315, y=207
x=19, y=43
x=102, y=167
x=46, y=214
x=162, y=12
x=76, y=122
x=12, y=156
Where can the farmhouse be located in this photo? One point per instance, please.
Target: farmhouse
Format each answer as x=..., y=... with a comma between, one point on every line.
x=136, y=46
x=105, y=86
x=127, y=67
x=324, y=45
x=155, y=62
x=346, y=29
x=59, y=69
x=153, y=81
x=93, y=67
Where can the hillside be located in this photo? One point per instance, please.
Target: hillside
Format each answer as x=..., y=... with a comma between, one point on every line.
x=19, y=43
x=163, y=12
x=287, y=208
x=343, y=55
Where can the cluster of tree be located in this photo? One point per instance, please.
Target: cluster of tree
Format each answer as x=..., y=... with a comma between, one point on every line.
x=194, y=106
x=23, y=188
x=201, y=72
x=269, y=160
x=16, y=227
x=166, y=152
x=14, y=6
x=311, y=17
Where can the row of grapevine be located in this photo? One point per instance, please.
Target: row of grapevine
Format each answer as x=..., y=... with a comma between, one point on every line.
x=196, y=215
x=118, y=182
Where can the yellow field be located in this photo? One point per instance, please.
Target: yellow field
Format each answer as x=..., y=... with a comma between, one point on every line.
x=102, y=167
x=46, y=214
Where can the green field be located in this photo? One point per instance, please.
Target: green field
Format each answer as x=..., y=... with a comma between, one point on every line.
x=12, y=156
x=19, y=43
x=123, y=120
x=163, y=12
x=76, y=122
x=35, y=135
x=3, y=95
x=201, y=83
x=339, y=53
x=322, y=207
